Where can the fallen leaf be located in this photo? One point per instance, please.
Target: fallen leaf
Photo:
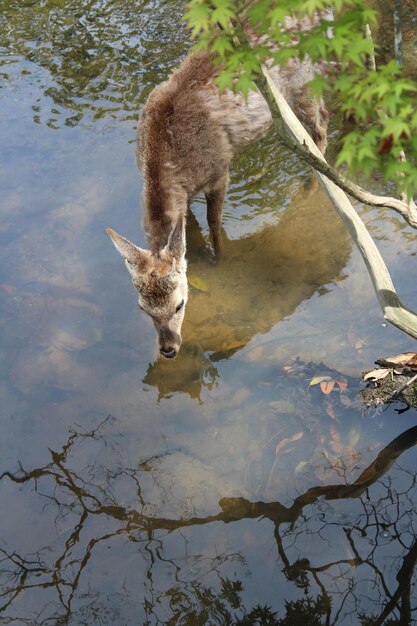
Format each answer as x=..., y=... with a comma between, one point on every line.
x=354, y=341
x=412, y=362
x=406, y=359
x=351, y=337
x=336, y=436
x=377, y=374
x=354, y=436
x=198, y=283
x=342, y=384
x=288, y=440
x=335, y=442
x=328, y=405
x=8, y=288
x=327, y=386
x=300, y=467
x=401, y=359
x=326, y=455
x=318, y=379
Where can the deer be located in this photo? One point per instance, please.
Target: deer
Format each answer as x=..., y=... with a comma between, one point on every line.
x=188, y=133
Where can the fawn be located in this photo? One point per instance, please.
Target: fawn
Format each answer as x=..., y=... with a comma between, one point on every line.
x=188, y=134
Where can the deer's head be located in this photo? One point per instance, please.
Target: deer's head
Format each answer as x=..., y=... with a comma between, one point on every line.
x=161, y=281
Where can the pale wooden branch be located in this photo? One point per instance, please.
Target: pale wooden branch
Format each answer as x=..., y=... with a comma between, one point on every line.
x=407, y=209
x=394, y=311
x=370, y=59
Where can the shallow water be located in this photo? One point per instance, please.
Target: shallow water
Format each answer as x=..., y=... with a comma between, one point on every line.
x=217, y=488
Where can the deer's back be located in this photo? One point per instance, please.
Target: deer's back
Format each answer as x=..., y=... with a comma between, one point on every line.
x=189, y=132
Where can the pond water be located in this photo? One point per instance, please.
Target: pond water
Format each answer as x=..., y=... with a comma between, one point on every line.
x=218, y=488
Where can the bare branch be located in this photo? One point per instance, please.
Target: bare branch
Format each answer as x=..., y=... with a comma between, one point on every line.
x=370, y=59
x=394, y=311
x=408, y=210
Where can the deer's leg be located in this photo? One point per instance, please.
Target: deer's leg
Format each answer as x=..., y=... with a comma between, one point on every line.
x=215, y=200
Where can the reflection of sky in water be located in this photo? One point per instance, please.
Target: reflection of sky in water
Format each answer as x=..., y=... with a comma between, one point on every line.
x=204, y=437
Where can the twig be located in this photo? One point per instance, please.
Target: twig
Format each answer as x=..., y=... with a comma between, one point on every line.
x=403, y=387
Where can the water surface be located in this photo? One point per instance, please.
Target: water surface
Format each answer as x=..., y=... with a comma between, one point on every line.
x=218, y=488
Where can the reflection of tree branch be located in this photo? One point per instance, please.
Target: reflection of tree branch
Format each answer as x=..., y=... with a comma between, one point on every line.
x=348, y=533
x=404, y=581
x=134, y=522
x=237, y=508
x=26, y=568
x=233, y=509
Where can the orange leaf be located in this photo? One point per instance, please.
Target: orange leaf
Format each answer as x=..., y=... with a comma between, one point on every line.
x=342, y=384
x=327, y=386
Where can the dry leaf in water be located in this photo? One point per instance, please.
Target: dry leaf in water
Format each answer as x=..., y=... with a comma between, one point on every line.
x=406, y=359
x=288, y=440
x=412, y=362
x=327, y=386
x=354, y=341
x=342, y=384
x=8, y=288
x=377, y=374
x=317, y=380
x=198, y=283
x=327, y=383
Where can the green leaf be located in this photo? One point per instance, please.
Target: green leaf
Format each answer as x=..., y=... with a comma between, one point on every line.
x=319, y=379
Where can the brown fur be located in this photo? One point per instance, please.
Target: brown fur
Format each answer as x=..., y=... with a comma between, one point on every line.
x=157, y=288
x=189, y=132
x=187, y=136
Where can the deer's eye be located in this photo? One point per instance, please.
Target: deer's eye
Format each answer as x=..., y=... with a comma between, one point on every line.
x=179, y=307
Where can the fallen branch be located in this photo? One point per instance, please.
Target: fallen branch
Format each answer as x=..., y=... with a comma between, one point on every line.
x=394, y=311
x=408, y=210
x=404, y=386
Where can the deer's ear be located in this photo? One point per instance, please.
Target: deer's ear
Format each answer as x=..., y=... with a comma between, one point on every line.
x=136, y=259
x=176, y=241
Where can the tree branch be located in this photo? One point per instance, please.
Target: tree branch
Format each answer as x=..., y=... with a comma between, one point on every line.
x=408, y=210
x=394, y=311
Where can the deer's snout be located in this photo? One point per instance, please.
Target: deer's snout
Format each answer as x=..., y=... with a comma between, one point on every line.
x=168, y=353
x=169, y=342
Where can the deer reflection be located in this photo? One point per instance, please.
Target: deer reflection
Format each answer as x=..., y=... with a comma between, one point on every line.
x=94, y=518
x=260, y=279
